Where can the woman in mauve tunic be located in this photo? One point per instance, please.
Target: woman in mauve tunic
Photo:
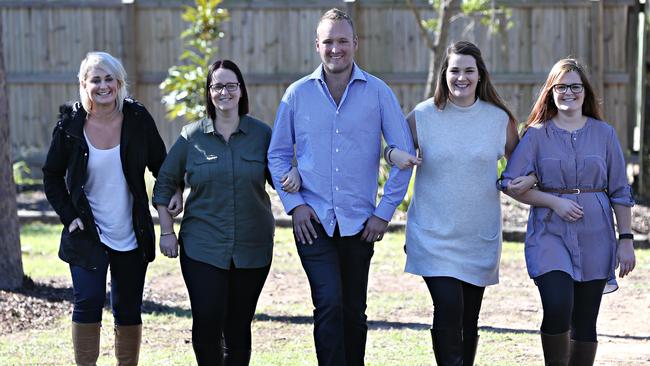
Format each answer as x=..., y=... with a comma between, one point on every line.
x=571, y=246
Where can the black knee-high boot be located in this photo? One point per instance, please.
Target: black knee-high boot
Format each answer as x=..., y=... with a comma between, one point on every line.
x=447, y=346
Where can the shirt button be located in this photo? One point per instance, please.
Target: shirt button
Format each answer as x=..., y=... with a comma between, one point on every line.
x=337, y=169
x=337, y=112
x=337, y=130
x=336, y=208
x=337, y=188
x=337, y=150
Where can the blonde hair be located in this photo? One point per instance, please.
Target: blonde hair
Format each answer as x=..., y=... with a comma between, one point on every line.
x=108, y=63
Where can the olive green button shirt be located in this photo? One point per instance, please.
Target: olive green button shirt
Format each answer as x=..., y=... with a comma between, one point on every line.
x=228, y=213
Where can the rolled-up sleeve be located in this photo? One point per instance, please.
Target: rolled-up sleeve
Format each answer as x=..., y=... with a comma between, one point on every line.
x=618, y=188
x=171, y=173
x=397, y=134
x=522, y=160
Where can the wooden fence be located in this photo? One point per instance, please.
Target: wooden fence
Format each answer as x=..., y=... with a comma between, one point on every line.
x=273, y=42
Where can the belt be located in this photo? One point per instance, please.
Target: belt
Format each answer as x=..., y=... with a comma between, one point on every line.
x=572, y=190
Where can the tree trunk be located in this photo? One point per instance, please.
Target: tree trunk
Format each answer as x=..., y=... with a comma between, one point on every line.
x=431, y=74
x=11, y=265
x=447, y=9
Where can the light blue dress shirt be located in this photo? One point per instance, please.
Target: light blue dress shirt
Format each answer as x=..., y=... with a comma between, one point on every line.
x=338, y=149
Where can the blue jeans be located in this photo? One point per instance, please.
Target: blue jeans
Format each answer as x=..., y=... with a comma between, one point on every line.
x=128, y=270
x=337, y=269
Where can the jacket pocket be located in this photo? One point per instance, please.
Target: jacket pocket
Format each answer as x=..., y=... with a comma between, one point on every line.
x=79, y=248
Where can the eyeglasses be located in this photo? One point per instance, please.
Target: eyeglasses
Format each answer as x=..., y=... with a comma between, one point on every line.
x=217, y=88
x=563, y=88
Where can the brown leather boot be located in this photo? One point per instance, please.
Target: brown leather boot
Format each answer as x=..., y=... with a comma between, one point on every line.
x=583, y=353
x=127, y=344
x=85, y=340
x=556, y=349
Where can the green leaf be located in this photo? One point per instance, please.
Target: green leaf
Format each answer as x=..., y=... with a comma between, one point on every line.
x=184, y=84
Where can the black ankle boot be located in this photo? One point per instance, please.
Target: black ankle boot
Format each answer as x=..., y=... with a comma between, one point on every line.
x=447, y=346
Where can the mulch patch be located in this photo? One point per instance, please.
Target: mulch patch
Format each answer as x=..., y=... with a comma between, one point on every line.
x=34, y=306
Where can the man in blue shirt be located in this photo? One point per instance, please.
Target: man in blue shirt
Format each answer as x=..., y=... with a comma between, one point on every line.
x=335, y=119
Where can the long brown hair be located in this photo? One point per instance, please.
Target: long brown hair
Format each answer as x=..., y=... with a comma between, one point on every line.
x=544, y=108
x=484, y=90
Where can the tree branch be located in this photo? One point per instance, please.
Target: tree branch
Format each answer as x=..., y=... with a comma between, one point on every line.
x=423, y=30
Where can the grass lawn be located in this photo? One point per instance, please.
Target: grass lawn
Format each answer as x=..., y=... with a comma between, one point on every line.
x=399, y=313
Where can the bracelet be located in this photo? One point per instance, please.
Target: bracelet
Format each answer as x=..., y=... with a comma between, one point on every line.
x=626, y=236
x=388, y=159
x=167, y=233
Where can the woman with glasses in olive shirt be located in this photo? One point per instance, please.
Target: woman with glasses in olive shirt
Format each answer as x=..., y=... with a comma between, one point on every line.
x=226, y=236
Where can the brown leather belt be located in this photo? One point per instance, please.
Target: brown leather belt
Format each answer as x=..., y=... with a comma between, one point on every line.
x=572, y=190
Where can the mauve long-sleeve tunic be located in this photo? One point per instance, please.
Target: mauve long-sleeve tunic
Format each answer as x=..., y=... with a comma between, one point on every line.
x=588, y=158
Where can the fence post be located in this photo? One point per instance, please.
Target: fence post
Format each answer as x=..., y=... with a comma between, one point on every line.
x=597, y=51
x=352, y=9
x=130, y=57
x=644, y=153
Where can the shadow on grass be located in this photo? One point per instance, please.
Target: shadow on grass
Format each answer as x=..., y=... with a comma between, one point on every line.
x=152, y=307
x=535, y=331
x=61, y=292
x=383, y=325
x=372, y=324
x=51, y=292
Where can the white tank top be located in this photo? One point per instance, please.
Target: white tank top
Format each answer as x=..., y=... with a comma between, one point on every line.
x=110, y=198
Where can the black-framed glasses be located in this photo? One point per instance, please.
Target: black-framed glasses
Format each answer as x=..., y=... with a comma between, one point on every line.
x=562, y=88
x=217, y=88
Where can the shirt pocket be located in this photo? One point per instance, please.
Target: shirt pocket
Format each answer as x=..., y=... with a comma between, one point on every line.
x=594, y=172
x=254, y=167
x=550, y=173
x=204, y=170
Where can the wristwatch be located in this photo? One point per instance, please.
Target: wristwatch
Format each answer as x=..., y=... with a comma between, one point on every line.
x=626, y=236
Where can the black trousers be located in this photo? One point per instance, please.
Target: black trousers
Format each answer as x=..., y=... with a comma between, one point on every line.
x=337, y=269
x=223, y=304
x=456, y=304
x=569, y=304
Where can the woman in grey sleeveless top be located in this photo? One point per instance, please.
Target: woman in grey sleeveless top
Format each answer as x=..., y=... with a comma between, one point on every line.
x=453, y=234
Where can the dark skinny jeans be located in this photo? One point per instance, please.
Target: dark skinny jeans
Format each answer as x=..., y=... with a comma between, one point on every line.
x=128, y=270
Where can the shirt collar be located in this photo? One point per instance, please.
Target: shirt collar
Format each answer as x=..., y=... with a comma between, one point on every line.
x=208, y=127
x=357, y=74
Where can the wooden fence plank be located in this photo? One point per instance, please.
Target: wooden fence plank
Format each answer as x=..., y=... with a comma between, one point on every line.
x=274, y=45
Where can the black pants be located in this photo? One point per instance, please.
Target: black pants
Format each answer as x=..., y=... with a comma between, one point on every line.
x=127, y=283
x=569, y=304
x=337, y=269
x=223, y=304
x=456, y=304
